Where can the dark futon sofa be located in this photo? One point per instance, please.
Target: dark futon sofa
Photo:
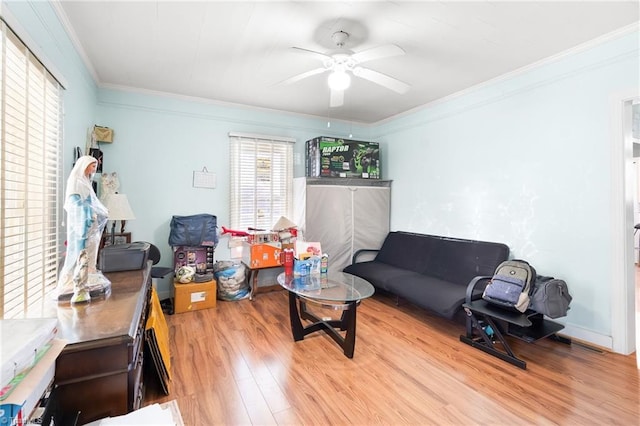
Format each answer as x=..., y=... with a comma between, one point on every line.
x=427, y=270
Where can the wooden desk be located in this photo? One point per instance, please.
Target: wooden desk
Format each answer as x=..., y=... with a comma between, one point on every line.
x=99, y=373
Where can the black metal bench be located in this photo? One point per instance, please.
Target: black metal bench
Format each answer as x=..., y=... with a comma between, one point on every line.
x=488, y=325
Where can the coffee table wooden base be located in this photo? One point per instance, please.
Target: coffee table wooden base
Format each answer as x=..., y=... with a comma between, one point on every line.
x=347, y=322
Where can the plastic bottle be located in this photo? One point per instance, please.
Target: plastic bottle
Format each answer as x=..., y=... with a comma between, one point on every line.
x=288, y=261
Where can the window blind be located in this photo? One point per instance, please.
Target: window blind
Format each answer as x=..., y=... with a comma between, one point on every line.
x=31, y=133
x=261, y=180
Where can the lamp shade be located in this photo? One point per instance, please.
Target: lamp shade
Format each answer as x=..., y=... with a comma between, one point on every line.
x=339, y=80
x=118, y=207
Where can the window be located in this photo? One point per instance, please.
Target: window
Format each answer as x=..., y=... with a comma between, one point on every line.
x=30, y=128
x=261, y=180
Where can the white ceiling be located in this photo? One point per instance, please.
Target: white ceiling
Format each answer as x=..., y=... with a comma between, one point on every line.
x=238, y=51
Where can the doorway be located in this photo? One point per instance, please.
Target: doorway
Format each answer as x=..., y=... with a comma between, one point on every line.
x=635, y=140
x=635, y=189
x=630, y=126
x=625, y=319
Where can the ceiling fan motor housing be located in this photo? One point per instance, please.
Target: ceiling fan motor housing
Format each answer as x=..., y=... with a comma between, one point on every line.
x=342, y=61
x=340, y=38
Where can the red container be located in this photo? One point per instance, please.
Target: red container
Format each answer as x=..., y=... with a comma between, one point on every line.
x=287, y=261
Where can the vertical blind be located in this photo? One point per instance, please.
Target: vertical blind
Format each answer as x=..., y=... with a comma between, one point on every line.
x=261, y=180
x=31, y=132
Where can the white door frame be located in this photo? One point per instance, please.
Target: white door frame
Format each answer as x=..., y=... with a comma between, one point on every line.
x=622, y=247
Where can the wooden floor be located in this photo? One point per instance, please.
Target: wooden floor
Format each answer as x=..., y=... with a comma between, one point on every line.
x=237, y=364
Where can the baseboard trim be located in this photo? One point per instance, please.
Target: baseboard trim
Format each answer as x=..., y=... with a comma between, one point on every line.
x=589, y=337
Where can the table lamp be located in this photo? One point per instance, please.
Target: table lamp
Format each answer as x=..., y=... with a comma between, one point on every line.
x=119, y=209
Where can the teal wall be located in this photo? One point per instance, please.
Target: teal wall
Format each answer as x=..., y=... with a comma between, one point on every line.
x=160, y=141
x=523, y=160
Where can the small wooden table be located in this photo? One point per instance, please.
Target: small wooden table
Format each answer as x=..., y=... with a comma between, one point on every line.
x=336, y=290
x=252, y=278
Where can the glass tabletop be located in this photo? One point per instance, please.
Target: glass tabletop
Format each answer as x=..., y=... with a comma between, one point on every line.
x=333, y=287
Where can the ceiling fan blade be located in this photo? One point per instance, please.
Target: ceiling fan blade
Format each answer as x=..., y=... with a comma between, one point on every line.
x=318, y=55
x=304, y=75
x=381, y=79
x=336, y=99
x=379, y=52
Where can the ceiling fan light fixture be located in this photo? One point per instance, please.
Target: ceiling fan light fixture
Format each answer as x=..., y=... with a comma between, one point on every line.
x=339, y=80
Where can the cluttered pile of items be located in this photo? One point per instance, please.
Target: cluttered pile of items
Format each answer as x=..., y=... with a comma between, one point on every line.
x=280, y=246
x=260, y=248
x=306, y=259
x=193, y=240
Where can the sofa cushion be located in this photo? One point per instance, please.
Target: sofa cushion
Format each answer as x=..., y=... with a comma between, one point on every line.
x=406, y=251
x=459, y=261
x=450, y=259
x=442, y=297
x=379, y=274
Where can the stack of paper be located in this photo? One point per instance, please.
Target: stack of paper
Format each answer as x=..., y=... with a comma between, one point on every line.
x=16, y=407
x=24, y=342
x=167, y=414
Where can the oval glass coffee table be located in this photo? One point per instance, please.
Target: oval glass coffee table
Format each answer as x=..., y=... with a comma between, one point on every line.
x=336, y=290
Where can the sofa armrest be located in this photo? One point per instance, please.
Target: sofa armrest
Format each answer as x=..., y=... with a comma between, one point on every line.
x=362, y=251
x=472, y=286
x=469, y=297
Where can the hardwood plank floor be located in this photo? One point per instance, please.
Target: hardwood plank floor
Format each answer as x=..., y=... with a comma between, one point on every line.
x=237, y=364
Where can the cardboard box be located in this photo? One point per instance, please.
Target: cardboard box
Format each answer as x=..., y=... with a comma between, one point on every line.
x=192, y=256
x=194, y=296
x=333, y=157
x=261, y=237
x=265, y=255
x=307, y=249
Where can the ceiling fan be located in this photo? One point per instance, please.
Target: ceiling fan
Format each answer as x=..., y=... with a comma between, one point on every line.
x=342, y=61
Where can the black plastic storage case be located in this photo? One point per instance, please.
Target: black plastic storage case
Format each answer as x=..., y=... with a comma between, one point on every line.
x=124, y=257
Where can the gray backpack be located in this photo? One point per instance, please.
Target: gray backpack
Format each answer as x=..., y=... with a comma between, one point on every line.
x=550, y=297
x=511, y=285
